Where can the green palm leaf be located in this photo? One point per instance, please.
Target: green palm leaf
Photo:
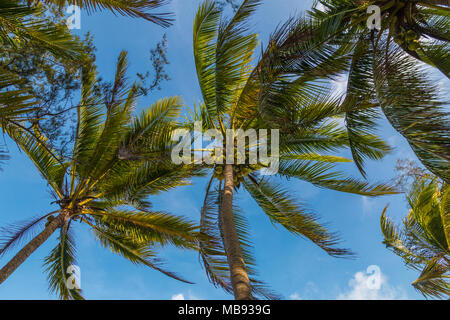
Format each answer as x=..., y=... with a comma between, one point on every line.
x=422, y=242
x=132, y=250
x=412, y=106
x=284, y=210
x=58, y=263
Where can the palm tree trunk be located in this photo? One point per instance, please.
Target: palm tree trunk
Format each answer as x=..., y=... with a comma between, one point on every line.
x=238, y=272
x=30, y=247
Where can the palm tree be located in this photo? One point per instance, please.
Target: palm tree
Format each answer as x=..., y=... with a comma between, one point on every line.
x=105, y=183
x=239, y=96
x=423, y=240
x=384, y=70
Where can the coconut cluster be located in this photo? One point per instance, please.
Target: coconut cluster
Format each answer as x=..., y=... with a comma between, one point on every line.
x=408, y=38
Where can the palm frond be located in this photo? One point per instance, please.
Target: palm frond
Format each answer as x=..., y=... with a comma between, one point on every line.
x=132, y=8
x=19, y=24
x=14, y=103
x=57, y=266
x=129, y=248
x=422, y=241
x=34, y=145
x=283, y=209
x=13, y=234
x=361, y=122
x=233, y=54
x=114, y=127
x=411, y=104
x=433, y=281
x=90, y=120
x=320, y=175
x=155, y=228
x=136, y=181
x=150, y=134
x=205, y=34
x=398, y=243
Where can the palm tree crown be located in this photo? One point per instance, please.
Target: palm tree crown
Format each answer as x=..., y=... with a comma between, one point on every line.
x=105, y=183
x=238, y=95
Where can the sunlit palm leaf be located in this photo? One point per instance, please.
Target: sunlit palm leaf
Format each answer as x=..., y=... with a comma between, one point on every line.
x=156, y=228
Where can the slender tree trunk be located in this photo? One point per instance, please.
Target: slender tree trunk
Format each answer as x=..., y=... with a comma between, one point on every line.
x=30, y=247
x=239, y=278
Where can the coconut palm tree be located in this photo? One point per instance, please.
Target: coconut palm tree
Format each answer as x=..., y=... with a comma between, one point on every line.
x=106, y=181
x=423, y=239
x=383, y=69
x=238, y=95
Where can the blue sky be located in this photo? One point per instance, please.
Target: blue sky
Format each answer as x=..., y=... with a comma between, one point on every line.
x=292, y=266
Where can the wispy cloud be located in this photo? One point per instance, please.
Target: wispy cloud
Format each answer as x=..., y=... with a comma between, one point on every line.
x=367, y=204
x=182, y=296
x=310, y=291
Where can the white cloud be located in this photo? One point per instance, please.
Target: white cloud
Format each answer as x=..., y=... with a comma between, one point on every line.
x=294, y=296
x=361, y=288
x=181, y=296
x=178, y=296
x=310, y=291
